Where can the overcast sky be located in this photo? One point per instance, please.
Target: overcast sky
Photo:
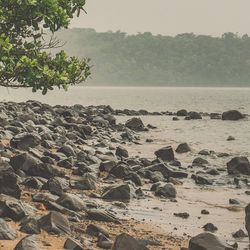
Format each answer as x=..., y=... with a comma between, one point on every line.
x=213, y=17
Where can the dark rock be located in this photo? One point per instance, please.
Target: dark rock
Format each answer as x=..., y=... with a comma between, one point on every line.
x=166, y=171
x=201, y=180
x=230, y=138
x=182, y=112
x=30, y=225
x=239, y=165
x=204, y=211
x=125, y=242
x=67, y=150
x=8, y=184
x=106, y=166
x=208, y=241
x=247, y=219
x=121, y=192
x=95, y=230
x=166, y=153
x=135, y=124
x=121, y=152
x=101, y=215
x=239, y=234
x=232, y=115
x=56, y=223
x=23, y=161
x=72, y=202
x=234, y=202
x=27, y=243
x=194, y=115
x=71, y=244
x=12, y=208
x=87, y=182
x=103, y=242
x=120, y=171
x=210, y=227
x=33, y=182
x=183, y=148
x=199, y=162
x=6, y=232
x=167, y=191
x=45, y=170
x=43, y=197
x=25, y=141
x=57, y=185
x=182, y=215
x=205, y=152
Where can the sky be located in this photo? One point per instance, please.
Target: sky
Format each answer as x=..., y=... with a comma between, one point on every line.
x=167, y=17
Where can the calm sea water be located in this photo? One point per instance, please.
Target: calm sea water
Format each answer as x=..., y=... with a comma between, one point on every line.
x=150, y=98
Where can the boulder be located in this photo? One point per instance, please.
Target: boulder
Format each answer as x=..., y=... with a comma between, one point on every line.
x=71, y=244
x=8, y=184
x=95, y=230
x=232, y=115
x=27, y=243
x=199, y=162
x=57, y=185
x=25, y=141
x=121, y=152
x=6, y=232
x=23, y=161
x=166, y=170
x=101, y=215
x=121, y=192
x=183, y=148
x=45, y=170
x=125, y=242
x=239, y=165
x=194, y=115
x=167, y=191
x=247, y=219
x=71, y=202
x=135, y=124
x=182, y=112
x=55, y=222
x=87, y=182
x=208, y=241
x=30, y=225
x=166, y=153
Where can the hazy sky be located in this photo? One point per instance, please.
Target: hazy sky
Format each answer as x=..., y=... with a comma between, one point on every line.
x=212, y=17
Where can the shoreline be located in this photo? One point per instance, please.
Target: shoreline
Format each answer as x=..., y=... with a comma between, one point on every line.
x=113, y=161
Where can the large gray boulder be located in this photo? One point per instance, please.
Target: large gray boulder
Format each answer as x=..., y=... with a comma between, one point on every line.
x=125, y=242
x=183, y=148
x=232, y=115
x=121, y=192
x=6, y=232
x=208, y=241
x=135, y=124
x=27, y=243
x=247, y=219
x=55, y=223
x=168, y=191
x=166, y=153
x=23, y=161
x=25, y=141
x=239, y=165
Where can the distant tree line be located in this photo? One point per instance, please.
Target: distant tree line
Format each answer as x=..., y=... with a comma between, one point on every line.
x=146, y=59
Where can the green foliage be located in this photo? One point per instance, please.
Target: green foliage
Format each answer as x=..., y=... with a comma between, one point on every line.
x=25, y=60
x=145, y=59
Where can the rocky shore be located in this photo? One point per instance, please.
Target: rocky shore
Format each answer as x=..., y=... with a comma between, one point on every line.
x=68, y=180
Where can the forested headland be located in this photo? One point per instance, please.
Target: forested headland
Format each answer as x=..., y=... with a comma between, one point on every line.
x=156, y=60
